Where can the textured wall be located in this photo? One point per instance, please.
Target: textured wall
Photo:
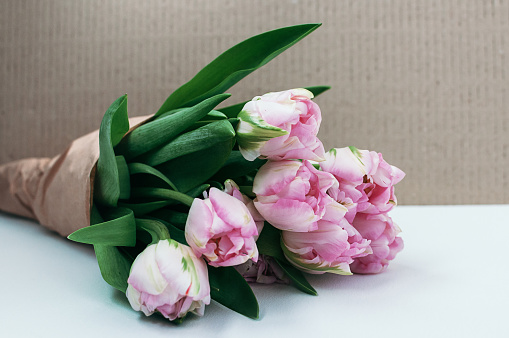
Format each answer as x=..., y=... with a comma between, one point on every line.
x=423, y=82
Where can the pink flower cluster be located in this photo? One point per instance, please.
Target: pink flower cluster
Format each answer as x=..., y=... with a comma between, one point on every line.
x=366, y=185
x=333, y=219
x=333, y=216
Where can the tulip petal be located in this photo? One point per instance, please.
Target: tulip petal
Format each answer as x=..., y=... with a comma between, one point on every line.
x=145, y=274
x=288, y=214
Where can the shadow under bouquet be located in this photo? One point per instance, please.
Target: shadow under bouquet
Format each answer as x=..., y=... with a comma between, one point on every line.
x=192, y=203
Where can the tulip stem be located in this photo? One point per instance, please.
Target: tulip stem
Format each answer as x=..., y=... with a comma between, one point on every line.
x=156, y=229
x=180, y=197
x=165, y=194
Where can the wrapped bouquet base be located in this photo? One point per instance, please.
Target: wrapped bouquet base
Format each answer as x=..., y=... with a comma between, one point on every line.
x=57, y=192
x=192, y=203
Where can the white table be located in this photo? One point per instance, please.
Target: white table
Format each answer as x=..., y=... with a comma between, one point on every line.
x=451, y=280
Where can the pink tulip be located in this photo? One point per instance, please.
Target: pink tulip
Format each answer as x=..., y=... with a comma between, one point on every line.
x=330, y=248
x=382, y=232
x=222, y=229
x=292, y=195
x=364, y=177
x=265, y=271
x=280, y=126
x=168, y=277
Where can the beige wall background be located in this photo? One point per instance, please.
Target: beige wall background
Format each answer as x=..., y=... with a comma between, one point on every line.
x=423, y=82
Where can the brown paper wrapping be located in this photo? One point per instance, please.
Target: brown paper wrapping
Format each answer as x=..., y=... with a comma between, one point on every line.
x=57, y=192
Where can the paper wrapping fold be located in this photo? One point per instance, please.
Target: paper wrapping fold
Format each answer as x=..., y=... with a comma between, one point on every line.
x=57, y=192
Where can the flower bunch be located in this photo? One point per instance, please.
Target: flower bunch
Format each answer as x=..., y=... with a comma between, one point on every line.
x=192, y=203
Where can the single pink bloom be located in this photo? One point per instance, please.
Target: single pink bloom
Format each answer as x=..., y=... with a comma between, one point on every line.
x=280, y=126
x=382, y=232
x=222, y=229
x=265, y=271
x=169, y=278
x=292, y=195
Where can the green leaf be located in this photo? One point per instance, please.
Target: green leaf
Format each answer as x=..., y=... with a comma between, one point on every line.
x=317, y=90
x=297, y=277
x=237, y=166
x=114, y=125
x=141, y=209
x=123, y=178
x=213, y=115
x=194, y=169
x=234, y=110
x=160, y=193
x=236, y=63
x=162, y=130
x=269, y=242
x=230, y=289
x=141, y=168
x=156, y=229
x=114, y=265
x=119, y=231
x=190, y=142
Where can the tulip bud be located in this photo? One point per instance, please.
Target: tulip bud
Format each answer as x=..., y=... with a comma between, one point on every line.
x=167, y=277
x=281, y=125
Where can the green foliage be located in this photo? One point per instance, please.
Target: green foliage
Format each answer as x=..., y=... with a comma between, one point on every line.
x=113, y=127
x=234, y=64
x=237, y=166
x=120, y=230
x=297, y=277
x=269, y=244
x=165, y=194
x=230, y=289
x=123, y=178
x=191, y=142
x=141, y=168
x=114, y=265
x=160, y=131
x=156, y=229
x=192, y=170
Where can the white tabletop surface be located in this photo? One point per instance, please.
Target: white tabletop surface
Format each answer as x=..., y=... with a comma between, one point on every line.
x=451, y=280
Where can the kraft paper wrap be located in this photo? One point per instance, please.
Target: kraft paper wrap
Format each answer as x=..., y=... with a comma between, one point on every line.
x=57, y=192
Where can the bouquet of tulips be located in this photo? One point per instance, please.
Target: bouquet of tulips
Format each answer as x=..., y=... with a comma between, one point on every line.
x=192, y=203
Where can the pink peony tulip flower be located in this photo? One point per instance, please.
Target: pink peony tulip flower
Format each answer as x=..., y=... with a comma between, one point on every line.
x=169, y=278
x=280, y=126
x=364, y=177
x=265, y=271
x=330, y=248
x=222, y=229
x=382, y=233
x=292, y=195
